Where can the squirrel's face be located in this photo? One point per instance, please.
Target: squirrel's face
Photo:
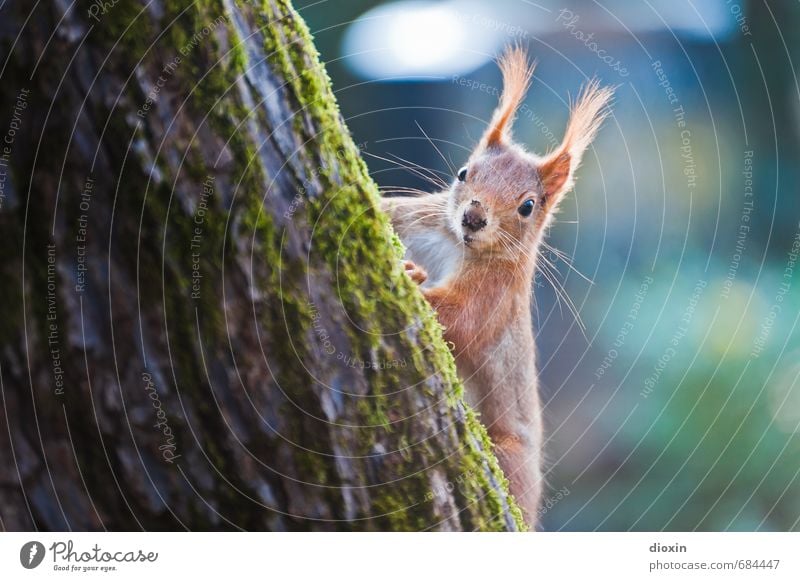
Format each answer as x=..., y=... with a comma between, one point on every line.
x=503, y=199
x=496, y=203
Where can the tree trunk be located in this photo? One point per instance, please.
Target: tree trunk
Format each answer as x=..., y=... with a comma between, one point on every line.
x=205, y=323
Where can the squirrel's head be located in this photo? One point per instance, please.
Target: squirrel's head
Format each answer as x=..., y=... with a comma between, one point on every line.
x=503, y=199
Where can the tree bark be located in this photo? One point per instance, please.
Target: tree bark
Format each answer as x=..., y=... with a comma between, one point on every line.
x=205, y=323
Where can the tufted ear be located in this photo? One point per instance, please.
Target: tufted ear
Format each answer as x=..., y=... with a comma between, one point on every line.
x=517, y=74
x=557, y=169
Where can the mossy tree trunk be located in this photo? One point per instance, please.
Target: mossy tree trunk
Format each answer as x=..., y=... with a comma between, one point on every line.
x=204, y=320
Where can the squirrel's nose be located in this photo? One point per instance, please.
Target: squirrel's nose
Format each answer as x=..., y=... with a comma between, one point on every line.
x=474, y=217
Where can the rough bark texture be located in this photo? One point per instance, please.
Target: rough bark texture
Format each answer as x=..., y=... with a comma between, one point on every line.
x=204, y=321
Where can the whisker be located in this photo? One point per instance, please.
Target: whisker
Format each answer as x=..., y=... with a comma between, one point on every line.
x=568, y=261
x=436, y=180
x=403, y=190
x=560, y=290
x=421, y=218
x=433, y=175
x=505, y=240
x=559, y=253
x=549, y=279
x=428, y=211
x=550, y=273
x=439, y=151
x=517, y=245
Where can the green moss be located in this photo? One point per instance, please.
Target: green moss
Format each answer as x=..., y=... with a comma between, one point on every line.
x=124, y=26
x=476, y=429
x=357, y=234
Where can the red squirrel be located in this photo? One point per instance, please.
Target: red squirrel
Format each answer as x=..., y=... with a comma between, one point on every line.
x=473, y=249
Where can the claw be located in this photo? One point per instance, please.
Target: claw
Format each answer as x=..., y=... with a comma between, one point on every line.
x=416, y=273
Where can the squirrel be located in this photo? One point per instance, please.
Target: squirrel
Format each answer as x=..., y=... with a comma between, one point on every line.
x=473, y=249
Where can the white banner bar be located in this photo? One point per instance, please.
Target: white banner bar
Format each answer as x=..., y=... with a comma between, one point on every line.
x=390, y=556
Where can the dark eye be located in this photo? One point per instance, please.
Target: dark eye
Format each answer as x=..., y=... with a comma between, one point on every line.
x=462, y=174
x=526, y=208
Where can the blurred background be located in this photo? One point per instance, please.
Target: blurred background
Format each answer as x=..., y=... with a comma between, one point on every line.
x=668, y=340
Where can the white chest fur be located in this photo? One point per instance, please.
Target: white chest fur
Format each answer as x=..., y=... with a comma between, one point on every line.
x=436, y=252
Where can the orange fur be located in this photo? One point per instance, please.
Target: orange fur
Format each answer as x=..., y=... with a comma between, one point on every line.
x=479, y=271
x=588, y=113
x=517, y=75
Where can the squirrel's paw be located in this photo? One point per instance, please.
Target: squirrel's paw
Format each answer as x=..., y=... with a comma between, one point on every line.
x=417, y=273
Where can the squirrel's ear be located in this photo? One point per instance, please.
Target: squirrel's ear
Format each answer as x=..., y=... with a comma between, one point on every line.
x=517, y=74
x=557, y=169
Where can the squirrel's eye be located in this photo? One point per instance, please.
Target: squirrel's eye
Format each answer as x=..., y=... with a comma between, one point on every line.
x=526, y=208
x=462, y=174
